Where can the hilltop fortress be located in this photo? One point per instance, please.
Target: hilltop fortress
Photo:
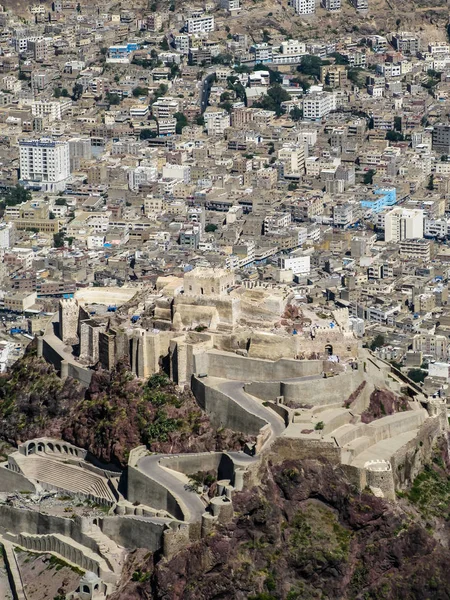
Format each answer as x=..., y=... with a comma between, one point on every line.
x=297, y=384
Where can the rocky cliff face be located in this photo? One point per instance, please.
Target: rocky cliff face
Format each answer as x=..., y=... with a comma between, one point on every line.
x=120, y=412
x=34, y=401
x=305, y=534
x=117, y=413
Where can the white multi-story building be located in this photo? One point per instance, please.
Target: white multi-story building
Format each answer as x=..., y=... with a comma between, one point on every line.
x=403, y=224
x=231, y=5
x=292, y=157
x=331, y=5
x=318, y=104
x=181, y=41
x=304, y=7
x=203, y=24
x=140, y=176
x=180, y=172
x=165, y=107
x=6, y=235
x=44, y=163
x=167, y=126
x=262, y=52
x=299, y=265
x=53, y=110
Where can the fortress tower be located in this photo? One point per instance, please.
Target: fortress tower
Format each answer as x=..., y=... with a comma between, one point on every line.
x=68, y=320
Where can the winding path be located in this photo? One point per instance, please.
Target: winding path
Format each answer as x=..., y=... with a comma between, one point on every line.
x=190, y=503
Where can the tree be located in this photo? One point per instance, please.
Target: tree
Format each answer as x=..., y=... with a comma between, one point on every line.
x=292, y=186
x=417, y=375
x=430, y=185
x=140, y=91
x=368, y=177
x=310, y=65
x=398, y=123
x=58, y=239
x=174, y=70
x=356, y=76
x=377, y=342
x=210, y=228
x=77, y=91
x=222, y=59
x=339, y=58
x=147, y=134
x=64, y=93
x=296, y=114
x=394, y=136
x=56, y=93
x=16, y=195
x=164, y=45
x=200, y=120
x=181, y=121
x=272, y=101
x=162, y=89
x=112, y=99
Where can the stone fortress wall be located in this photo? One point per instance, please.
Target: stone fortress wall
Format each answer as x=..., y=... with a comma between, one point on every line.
x=298, y=394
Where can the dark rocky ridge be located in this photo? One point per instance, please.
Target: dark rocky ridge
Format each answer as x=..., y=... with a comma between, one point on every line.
x=304, y=534
x=115, y=414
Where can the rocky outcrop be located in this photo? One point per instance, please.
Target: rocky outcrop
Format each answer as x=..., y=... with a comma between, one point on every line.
x=114, y=415
x=304, y=534
x=382, y=403
x=34, y=402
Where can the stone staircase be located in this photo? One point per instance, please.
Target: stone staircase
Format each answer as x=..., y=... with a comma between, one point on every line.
x=70, y=550
x=60, y=476
x=113, y=554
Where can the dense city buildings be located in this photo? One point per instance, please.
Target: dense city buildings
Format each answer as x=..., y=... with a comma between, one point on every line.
x=224, y=271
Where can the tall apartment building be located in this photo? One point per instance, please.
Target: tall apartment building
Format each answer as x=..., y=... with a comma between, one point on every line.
x=203, y=24
x=403, y=224
x=331, y=5
x=441, y=138
x=406, y=42
x=318, y=104
x=361, y=4
x=292, y=157
x=304, y=7
x=44, y=163
x=51, y=109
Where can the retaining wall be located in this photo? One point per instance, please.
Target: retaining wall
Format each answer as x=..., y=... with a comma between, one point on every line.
x=240, y=368
x=143, y=489
x=14, y=482
x=322, y=391
x=134, y=533
x=225, y=412
x=189, y=464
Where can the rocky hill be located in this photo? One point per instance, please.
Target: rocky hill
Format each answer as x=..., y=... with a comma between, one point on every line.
x=305, y=534
x=115, y=414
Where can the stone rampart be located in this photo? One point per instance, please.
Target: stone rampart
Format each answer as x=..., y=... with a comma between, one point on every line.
x=143, y=489
x=380, y=478
x=219, y=462
x=14, y=482
x=132, y=532
x=224, y=411
x=409, y=460
x=65, y=548
x=239, y=368
x=285, y=448
x=322, y=390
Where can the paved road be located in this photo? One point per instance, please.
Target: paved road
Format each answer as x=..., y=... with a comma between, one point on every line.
x=190, y=503
x=235, y=390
